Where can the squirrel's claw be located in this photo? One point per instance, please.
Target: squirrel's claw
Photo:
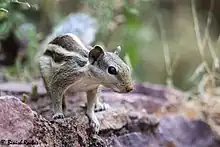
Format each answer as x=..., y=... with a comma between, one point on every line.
x=58, y=116
x=101, y=107
x=94, y=123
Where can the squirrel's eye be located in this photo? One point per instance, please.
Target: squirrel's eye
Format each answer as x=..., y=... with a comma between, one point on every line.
x=112, y=70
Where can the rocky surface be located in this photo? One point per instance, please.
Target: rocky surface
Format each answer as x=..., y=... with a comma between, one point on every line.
x=16, y=119
x=128, y=123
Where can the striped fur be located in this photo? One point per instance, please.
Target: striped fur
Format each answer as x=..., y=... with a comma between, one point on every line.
x=67, y=47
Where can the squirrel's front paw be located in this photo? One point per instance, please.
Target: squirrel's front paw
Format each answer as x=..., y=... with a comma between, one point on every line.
x=58, y=116
x=101, y=107
x=94, y=123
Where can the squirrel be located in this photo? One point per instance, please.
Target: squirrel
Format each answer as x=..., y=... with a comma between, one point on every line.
x=68, y=63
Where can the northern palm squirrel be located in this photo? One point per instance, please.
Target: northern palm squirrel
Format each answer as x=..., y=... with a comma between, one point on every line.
x=68, y=64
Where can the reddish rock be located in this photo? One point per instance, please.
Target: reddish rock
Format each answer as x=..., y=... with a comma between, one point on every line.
x=126, y=123
x=16, y=121
x=173, y=131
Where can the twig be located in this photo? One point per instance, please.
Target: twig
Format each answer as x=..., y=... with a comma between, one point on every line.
x=198, y=36
x=214, y=55
x=209, y=20
x=207, y=37
x=166, y=51
x=211, y=48
x=209, y=78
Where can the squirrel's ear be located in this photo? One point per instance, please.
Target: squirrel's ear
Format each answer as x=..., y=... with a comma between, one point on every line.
x=96, y=53
x=117, y=50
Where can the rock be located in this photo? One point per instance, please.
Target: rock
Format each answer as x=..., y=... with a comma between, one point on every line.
x=151, y=90
x=113, y=118
x=184, y=132
x=129, y=122
x=145, y=97
x=72, y=132
x=173, y=131
x=16, y=119
x=19, y=125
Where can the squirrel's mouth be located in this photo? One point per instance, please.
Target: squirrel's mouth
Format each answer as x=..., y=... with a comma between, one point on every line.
x=116, y=90
x=124, y=90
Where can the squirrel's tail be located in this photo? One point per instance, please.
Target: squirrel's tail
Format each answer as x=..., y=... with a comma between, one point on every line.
x=82, y=25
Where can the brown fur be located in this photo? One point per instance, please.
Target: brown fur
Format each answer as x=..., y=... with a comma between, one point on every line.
x=67, y=64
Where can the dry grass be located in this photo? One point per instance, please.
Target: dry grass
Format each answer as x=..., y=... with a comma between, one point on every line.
x=205, y=102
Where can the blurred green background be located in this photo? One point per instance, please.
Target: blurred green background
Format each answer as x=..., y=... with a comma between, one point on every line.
x=162, y=40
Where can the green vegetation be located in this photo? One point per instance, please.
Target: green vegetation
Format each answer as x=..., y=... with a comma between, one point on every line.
x=163, y=46
x=10, y=15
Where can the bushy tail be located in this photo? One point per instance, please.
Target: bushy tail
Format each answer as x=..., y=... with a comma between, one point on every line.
x=79, y=24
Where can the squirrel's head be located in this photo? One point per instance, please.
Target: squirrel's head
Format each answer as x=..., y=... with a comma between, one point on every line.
x=110, y=70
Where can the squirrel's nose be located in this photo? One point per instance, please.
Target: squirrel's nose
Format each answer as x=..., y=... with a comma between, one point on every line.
x=129, y=88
